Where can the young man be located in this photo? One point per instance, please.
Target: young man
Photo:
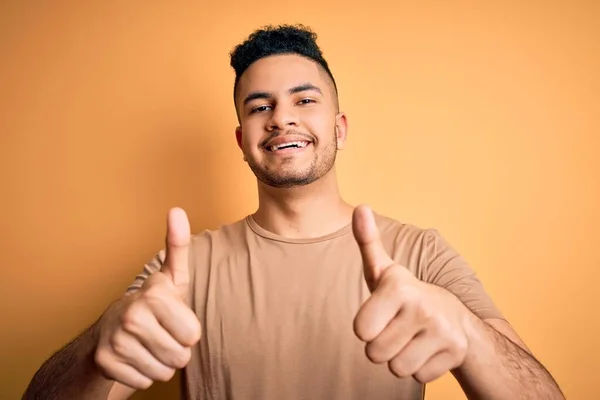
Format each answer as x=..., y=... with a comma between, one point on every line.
x=309, y=297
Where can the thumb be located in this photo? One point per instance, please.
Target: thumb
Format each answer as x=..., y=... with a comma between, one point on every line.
x=366, y=233
x=176, y=264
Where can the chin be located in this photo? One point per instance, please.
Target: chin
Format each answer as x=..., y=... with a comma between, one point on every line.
x=287, y=181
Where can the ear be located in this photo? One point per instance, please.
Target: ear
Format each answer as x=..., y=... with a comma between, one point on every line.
x=238, y=138
x=341, y=130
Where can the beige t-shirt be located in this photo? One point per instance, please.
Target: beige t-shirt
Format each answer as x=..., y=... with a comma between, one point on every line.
x=277, y=313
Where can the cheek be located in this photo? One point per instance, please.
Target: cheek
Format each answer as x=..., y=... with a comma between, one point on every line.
x=251, y=137
x=319, y=125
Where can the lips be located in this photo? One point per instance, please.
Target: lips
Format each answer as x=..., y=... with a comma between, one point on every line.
x=287, y=142
x=288, y=145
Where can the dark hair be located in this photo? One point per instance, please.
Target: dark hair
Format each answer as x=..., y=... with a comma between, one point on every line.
x=272, y=40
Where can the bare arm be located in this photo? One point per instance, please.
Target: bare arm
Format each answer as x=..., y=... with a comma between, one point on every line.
x=71, y=373
x=499, y=366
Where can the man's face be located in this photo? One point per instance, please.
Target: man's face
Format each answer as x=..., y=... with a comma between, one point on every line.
x=290, y=126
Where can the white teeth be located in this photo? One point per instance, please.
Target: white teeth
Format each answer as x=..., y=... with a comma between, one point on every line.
x=288, y=144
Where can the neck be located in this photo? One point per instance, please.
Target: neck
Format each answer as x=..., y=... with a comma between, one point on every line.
x=306, y=211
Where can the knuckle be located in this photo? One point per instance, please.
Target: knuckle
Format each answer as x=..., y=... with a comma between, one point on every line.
x=425, y=313
x=423, y=377
x=191, y=332
x=117, y=344
x=131, y=317
x=439, y=324
x=398, y=368
x=105, y=364
x=101, y=359
x=390, y=279
x=182, y=358
x=153, y=292
x=143, y=383
x=433, y=369
x=198, y=330
x=131, y=323
x=460, y=345
x=361, y=329
x=373, y=353
x=130, y=326
x=166, y=374
x=410, y=294
x=194, y=331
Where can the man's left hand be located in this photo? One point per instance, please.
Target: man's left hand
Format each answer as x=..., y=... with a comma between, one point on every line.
x=419, y=329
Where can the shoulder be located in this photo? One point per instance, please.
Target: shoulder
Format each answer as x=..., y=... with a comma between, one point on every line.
x=223, y=235
x=405, y=233
x=410, y=245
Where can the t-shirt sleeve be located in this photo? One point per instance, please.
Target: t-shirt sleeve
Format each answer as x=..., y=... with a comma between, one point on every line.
x=448, y=269
x=150, y=267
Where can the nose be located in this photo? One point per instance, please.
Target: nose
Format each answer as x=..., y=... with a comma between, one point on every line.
x=282, y=117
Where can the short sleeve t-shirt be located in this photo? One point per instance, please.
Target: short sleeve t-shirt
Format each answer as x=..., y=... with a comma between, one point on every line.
x=277, y=313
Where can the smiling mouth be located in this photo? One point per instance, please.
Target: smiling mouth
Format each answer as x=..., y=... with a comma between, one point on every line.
x=289, y=145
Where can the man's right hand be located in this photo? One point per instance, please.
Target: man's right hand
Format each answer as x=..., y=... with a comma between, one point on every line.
x=146, y=336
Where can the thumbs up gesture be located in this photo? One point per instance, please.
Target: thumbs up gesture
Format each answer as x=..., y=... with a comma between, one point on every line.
x=419, y=329
x=146, y=336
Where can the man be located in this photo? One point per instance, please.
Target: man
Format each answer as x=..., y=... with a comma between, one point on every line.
x=309, y=297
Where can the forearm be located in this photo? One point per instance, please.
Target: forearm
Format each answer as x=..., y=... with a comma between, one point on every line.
x=71, y=373
x=497, y=368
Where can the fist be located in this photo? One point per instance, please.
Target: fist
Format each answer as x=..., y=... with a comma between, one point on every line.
x=146, y=336
x=419, y=329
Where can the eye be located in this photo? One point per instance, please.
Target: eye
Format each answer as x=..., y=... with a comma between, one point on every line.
x=306, y=101
x=259, y=109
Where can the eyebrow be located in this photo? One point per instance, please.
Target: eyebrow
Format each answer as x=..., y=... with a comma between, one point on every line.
x=296, y=89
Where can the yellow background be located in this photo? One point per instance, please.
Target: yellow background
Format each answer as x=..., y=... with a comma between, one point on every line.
x=480, y=119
